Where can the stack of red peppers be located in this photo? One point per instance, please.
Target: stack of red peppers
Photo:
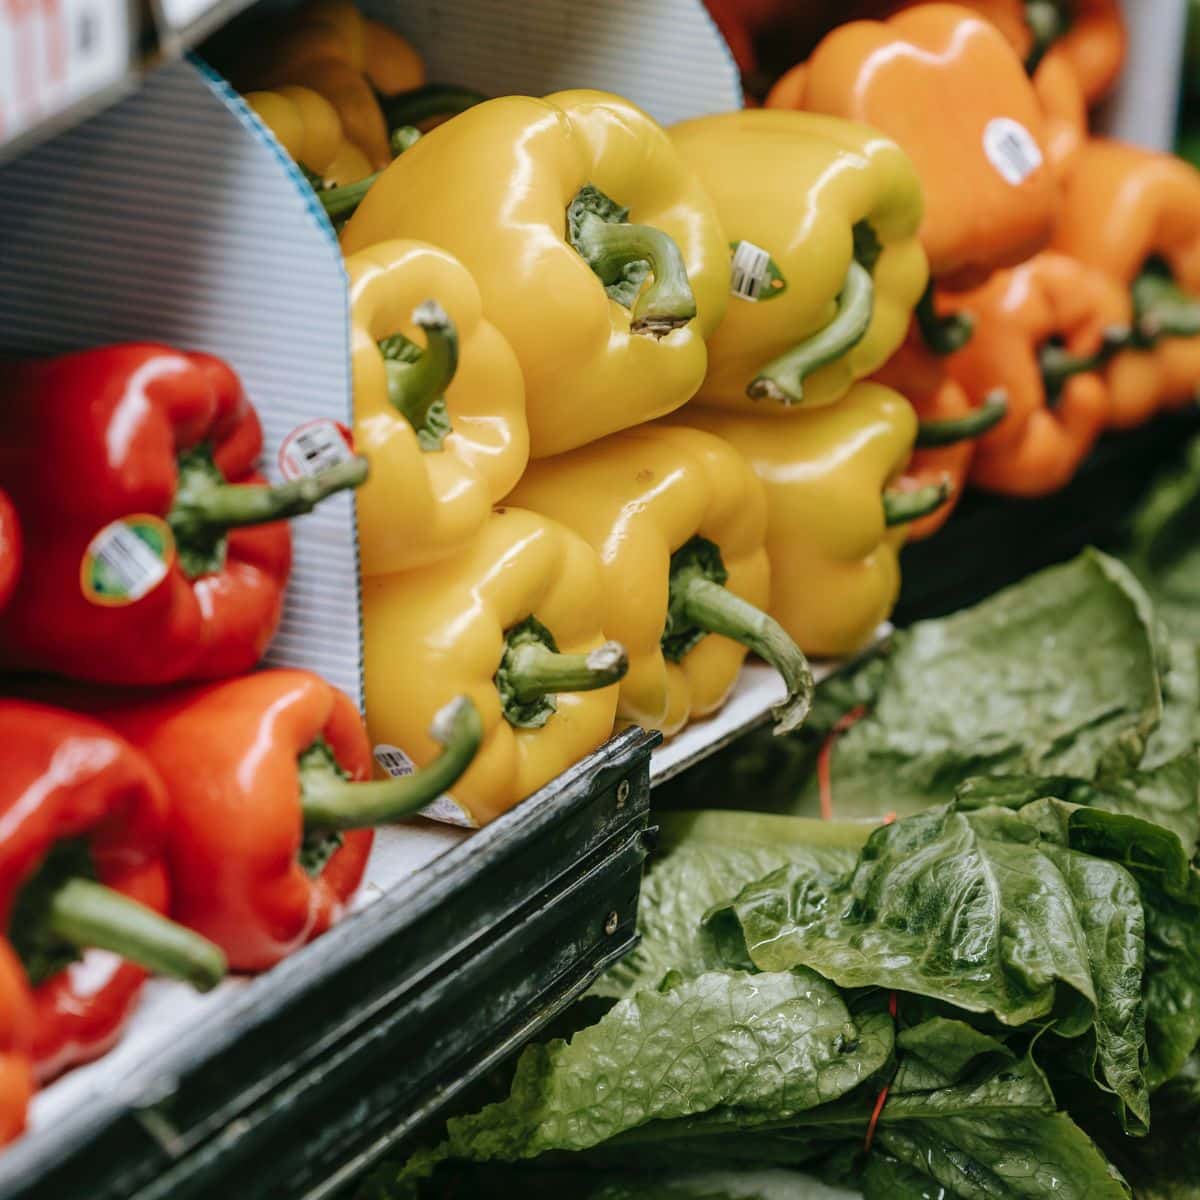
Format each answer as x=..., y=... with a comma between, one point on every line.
x=189, y=816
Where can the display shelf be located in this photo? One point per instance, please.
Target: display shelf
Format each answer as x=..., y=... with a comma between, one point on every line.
x=759, y=689
x=272, y=1085
x=462, y=945
x=64, y=61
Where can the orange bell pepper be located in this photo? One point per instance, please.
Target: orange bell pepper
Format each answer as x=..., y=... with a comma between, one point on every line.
x=1135, y=214
x=949, y=426
x=1094, y=43
x=946, y=85
x=1043, y=332
x=1065, y=110
x=1088, y=36
x=1033, y=28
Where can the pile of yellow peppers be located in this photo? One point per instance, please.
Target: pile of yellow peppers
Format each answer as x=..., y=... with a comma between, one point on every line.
x=613, y=383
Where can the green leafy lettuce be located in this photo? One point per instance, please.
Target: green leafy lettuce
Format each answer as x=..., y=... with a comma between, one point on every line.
x=1066, y=673
x=1056, y=675
x=979, y=912
x=707, y=857
x=1163, y=550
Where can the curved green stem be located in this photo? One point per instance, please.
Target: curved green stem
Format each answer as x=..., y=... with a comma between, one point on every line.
x=340, y=202
x=901, y=507
x=1162, y=309
x=668, y=302
x=1058, y=364
x=417, y=385
x=971, y=425
x=331, y=802
x=942, y=335
x=205, y=505
x=699, y=604
x=622, y=255
x=782, y=379
x=432, y=100
x=88, y=914
x=1047, y=24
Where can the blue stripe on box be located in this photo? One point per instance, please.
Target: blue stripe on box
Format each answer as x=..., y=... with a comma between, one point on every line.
x=175, y=217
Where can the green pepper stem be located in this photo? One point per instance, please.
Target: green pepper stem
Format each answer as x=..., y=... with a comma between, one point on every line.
x=414, y=387
x=330, y=802
x=713, y=608
x=901, y=507
x=88, y=914
x=1058, y=364
x=403, y=137
x=1047, y=24
x=609, y=247
x=942, y=335
x=201, y=510
x=432, y=100
x=1163, y=309
x=534, y=670
x=978, y=421
x=340, y=202
x=782, y=379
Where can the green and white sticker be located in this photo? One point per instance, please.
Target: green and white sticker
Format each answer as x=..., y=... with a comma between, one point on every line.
x=754, y=274
x=126, y=560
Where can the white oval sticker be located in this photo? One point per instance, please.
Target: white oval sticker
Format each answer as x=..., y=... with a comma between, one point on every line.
x=1011, y=149
x=313, y=447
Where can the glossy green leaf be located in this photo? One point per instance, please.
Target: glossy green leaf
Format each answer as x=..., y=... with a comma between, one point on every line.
x=705, y=858
x=1056, y=675
x=976, y=911
x=764, y=1044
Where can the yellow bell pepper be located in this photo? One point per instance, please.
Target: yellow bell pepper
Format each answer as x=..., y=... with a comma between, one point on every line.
x=536, y=198
x=443, y=426
x=513, y=622
x=391, y=64
x=329, y=47
x=822, y=216
x=307, y=126
x=833, y=532
x=678, y=520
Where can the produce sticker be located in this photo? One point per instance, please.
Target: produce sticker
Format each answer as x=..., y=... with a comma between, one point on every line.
x=445, y=808
x=314, y=447
x=126, y=560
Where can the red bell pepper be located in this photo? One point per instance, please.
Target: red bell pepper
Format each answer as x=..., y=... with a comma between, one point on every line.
x=261, y=775
x=90, y=441
x=733, y=23
x=83, y=824
x=16, y=1045
x=10, y=549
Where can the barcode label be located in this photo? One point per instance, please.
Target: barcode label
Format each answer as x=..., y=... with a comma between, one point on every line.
x=394, y=761
x=126, y=560
x=55, y=52
x=445, y=808
x=751, y=268
x=314, y=447
x=1011, y=149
